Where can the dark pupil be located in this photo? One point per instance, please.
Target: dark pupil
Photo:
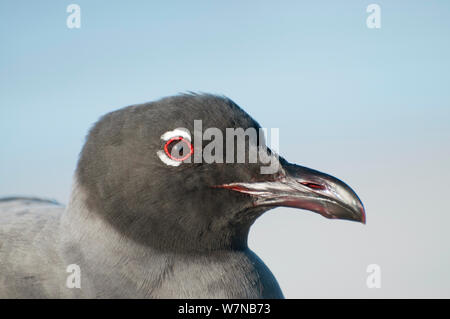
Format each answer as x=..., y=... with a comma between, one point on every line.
x=177, y=149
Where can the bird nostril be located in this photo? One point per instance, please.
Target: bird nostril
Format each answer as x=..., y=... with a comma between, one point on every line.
x=313, y=185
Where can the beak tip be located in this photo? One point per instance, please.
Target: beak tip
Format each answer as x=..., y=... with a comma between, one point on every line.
x=363, y=216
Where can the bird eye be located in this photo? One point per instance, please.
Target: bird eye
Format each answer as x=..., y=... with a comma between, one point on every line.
x=178, y=149
x=313, y=185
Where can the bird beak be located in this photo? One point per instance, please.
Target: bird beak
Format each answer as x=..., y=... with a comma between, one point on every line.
x=305, y=188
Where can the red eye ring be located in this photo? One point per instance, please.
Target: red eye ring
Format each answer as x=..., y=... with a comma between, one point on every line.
x=179, y=139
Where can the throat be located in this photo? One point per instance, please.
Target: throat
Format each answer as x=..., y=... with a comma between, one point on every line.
x=116, y=229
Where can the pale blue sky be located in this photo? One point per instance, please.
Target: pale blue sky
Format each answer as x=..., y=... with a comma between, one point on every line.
x=370, y=106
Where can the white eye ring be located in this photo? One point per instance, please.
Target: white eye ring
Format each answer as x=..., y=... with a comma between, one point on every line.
x=178, y=132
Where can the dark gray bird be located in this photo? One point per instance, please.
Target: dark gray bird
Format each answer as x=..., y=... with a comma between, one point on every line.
x=147, y=220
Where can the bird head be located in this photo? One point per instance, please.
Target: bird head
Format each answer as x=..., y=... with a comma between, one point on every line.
x=151, y=172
